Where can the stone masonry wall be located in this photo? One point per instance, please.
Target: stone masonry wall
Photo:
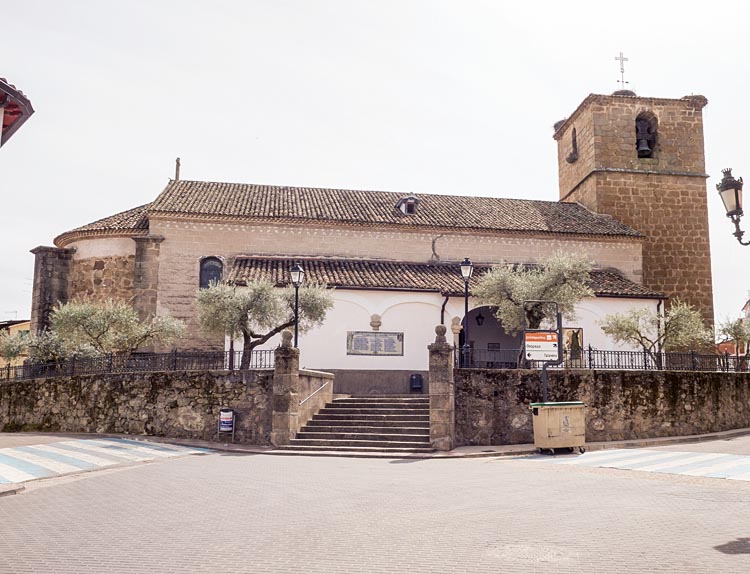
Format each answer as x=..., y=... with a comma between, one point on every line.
x=664, y=196
x=186, y=242
x=174, y=404
x=672, y=212
x=100, y=278
x=51, y=266
x=492, y=405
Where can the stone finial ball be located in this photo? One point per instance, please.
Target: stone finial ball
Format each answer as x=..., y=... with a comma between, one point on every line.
x=440, y=334
x=286, y=338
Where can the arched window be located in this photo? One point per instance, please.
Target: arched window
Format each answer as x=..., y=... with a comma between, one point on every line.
x=573, y=155
x=646, y=126
x=211, y=270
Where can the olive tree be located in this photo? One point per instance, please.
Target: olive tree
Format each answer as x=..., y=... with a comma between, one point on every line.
x=680, y=329
x=737, y=330
x=259, y=311
x=107, y=327
x=13, y=346
x=563, y=278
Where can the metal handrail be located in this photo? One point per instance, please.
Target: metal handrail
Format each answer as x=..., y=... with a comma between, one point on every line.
x=314, y=393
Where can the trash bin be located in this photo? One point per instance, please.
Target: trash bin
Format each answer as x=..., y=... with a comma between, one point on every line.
x=415, y=383
x=559, y=425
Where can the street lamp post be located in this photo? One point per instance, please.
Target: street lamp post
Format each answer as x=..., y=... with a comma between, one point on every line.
x=466, y=271
x=298, y=276
x=730, y=191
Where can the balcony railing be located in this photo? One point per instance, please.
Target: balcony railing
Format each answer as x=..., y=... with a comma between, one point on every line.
x=139, y=362
x=591, y=358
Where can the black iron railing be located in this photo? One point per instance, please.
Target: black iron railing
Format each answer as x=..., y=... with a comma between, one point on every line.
x=590, y=358
x=139, y=362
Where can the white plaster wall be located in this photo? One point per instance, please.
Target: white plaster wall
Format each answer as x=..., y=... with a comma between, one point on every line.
x=591, y=311
x=412, y=313
x=416, y=315
x=102, y=247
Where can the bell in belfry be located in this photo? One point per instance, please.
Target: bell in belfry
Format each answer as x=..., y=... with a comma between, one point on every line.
x=643, y=149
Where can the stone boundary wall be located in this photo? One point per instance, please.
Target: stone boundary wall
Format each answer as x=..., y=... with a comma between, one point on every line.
x=492, y=405
x=170, y=404
x=309, y=383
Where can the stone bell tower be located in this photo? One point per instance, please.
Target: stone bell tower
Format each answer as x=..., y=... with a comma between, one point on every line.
x=641, y=160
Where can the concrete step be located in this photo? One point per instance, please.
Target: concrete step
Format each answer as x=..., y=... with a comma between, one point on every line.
x=381, y=425
x=335, y=416
x=333, y=444
x=367, y=426
x=360, y=435
x=397, y=400
x=379, y=405
x=363, y=449
x=373, y=411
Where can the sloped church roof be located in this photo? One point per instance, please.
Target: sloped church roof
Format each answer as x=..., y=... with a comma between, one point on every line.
x=244, y=202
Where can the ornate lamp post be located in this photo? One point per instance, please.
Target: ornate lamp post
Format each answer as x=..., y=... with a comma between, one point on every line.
x=730, y=191
x=298, y=276
x=467, y=269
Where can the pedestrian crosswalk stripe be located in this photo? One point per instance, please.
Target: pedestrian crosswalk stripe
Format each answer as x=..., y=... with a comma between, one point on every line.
x=117, y=452
x=77, y=454
x=56, y=466
x=25, y=463
x=133, y=447
x=28, y=468
x=9, y=473
x=709, y=465
x=51, y=455
x=72, y=446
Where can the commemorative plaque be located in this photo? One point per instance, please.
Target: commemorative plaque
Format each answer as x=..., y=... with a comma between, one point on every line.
x=374, y=343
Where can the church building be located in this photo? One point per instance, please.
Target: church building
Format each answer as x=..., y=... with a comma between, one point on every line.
x=632, y=196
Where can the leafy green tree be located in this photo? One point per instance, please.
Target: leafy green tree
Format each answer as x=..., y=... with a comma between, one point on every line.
x=563, y=278
x=107, y=327
x=680, y=329
x=737, y=330
x=259, y=311
x=13, y=346
x=49, y=347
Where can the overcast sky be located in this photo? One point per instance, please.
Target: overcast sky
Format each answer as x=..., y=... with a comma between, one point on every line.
x=418, y=96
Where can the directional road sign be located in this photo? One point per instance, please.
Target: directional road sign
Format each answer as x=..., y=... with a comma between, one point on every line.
x=541, y=345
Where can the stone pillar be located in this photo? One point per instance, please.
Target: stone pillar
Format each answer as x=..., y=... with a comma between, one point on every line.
x=442, y=396
x=51, y=268
x=146, y=280
x=285, y=422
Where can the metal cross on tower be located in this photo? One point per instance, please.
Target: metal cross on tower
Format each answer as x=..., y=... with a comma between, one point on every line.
x=622, y=60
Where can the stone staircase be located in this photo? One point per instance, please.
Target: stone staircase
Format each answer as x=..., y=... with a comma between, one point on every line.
x=393, y=424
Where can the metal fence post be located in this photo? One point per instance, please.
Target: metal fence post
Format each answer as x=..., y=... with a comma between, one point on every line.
x=591, y=357
x=693, y=363
x=174, y=359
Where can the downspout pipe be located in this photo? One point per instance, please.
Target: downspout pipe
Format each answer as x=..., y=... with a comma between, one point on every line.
x=442, y=310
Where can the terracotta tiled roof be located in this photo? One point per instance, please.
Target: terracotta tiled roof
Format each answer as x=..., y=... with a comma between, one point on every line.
x=303, y=204
x=126, y=223
x=397, y=275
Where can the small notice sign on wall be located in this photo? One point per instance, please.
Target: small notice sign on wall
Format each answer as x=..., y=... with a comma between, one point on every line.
x=374, y=343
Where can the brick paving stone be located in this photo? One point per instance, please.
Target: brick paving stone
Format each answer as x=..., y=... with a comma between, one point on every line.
x=268, y=514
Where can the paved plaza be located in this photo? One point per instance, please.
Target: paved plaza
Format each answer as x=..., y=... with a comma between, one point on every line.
x=229, y=512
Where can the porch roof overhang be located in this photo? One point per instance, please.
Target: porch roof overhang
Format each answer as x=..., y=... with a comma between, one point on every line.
x=16, y=109
x=443, y=278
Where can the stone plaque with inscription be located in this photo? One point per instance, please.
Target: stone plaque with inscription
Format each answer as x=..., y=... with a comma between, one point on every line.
x=374, y=343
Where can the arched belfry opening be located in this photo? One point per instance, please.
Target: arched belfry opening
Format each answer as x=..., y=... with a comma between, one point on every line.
x=646, y=134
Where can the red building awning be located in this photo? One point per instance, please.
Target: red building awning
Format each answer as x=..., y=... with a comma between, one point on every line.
x=15, y=110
